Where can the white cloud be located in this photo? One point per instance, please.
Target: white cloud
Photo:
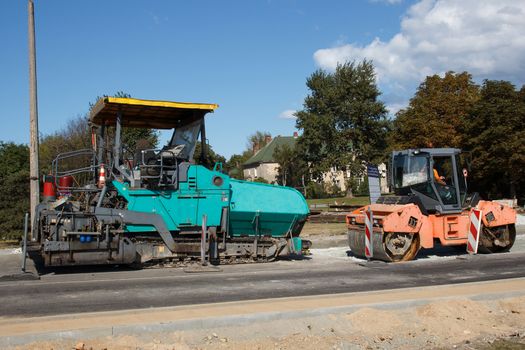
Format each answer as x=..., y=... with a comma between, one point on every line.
x=287, y=114
x=393, y=108
x=391, y=2
x=483, y=37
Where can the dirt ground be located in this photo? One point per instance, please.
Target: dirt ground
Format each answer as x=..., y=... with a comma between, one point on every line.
x=322, y=229
x=449, y=324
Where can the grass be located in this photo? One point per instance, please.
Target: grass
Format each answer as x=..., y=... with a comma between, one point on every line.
x=341, y=200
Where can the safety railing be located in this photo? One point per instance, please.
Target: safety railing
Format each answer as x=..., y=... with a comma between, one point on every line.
x=160, y=165
x=75, y=171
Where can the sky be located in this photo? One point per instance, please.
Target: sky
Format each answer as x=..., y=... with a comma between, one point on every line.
x=250, y=57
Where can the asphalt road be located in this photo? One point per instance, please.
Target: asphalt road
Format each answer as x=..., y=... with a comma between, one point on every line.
x=327, y=271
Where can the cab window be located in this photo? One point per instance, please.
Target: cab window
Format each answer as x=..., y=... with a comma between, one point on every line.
x=443, y=177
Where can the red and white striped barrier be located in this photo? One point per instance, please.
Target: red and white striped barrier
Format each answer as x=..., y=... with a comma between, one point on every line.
x=474, y=231
x=369, y=228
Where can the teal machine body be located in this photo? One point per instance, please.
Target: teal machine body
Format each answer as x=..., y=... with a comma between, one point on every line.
x=128, y=206
x=251, y=208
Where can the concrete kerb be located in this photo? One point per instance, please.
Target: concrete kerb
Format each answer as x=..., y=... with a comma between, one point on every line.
x=242, y=319
x=239, y=320
x=72, y=335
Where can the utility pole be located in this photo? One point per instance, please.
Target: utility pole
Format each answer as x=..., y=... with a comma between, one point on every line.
x=33, y=116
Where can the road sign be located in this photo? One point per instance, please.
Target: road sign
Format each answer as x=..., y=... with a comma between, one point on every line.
x=474, y=231
x=369, y=229
x=373, y=182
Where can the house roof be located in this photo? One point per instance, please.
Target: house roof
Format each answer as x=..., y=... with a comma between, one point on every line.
x=265, y=154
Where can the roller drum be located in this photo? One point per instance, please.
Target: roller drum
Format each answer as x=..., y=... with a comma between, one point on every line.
x=356, y=241
x=389, y=246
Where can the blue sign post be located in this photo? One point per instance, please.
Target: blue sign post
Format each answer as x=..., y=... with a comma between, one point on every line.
x=373, y=182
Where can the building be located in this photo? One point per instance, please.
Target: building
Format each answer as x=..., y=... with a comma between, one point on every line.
x=263, y=164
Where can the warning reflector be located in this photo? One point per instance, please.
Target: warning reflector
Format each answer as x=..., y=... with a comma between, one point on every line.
x=474, y=231
x=369, y=228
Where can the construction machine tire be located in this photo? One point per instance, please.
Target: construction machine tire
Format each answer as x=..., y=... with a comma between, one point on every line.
x=389, y=246
x=496, y=239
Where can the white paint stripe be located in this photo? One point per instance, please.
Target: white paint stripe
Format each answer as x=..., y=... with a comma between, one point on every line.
x=474, y=221
x=472, y=241
x=370, y=228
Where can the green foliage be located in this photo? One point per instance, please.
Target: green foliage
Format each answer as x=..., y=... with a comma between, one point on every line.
x=76, y=135
x=362, y=188
x=436, y=114
x=454, y=112
x=235, y=163
x=14, y=189
x=495, y=135
x=130, y=136
x=292, y=168
x=211, y=157
x=260, y=180
x=133, y=137
x=333, y=190
x=316, y=190
x=343, y=121
x=257, y=140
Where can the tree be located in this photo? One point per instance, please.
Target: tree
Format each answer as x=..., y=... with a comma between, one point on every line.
x=76, y=135
x=495, y=134
x=130, y=136
x=258, y=140
x=14, y=189
x=235, y=163
x=292, y=168
x=436, y=114
x=344, y=124
x=211, y=156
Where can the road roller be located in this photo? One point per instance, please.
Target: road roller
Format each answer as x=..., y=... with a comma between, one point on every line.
x=430, y=206
x=110, y=204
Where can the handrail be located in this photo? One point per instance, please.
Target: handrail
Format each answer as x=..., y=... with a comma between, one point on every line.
x=90, y=170
x=161, y=167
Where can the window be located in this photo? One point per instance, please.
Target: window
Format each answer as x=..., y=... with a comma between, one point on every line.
x=444, y=180
x=410, y=170
x=186, y=136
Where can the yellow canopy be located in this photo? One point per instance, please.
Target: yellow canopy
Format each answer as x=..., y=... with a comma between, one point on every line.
x=147, y=113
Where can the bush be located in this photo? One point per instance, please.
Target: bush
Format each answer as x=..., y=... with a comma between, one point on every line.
x=260, y=180
x=315, y=190
x=362, y=188
x=14, y=189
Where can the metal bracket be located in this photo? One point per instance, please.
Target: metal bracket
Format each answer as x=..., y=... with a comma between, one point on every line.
x=109, y=215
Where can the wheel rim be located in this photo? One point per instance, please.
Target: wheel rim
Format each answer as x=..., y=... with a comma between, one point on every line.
x=497, y=239
x=401, y=246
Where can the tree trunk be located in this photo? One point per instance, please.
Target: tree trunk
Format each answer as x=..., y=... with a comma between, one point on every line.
x=349, y=192
x=512, y=190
